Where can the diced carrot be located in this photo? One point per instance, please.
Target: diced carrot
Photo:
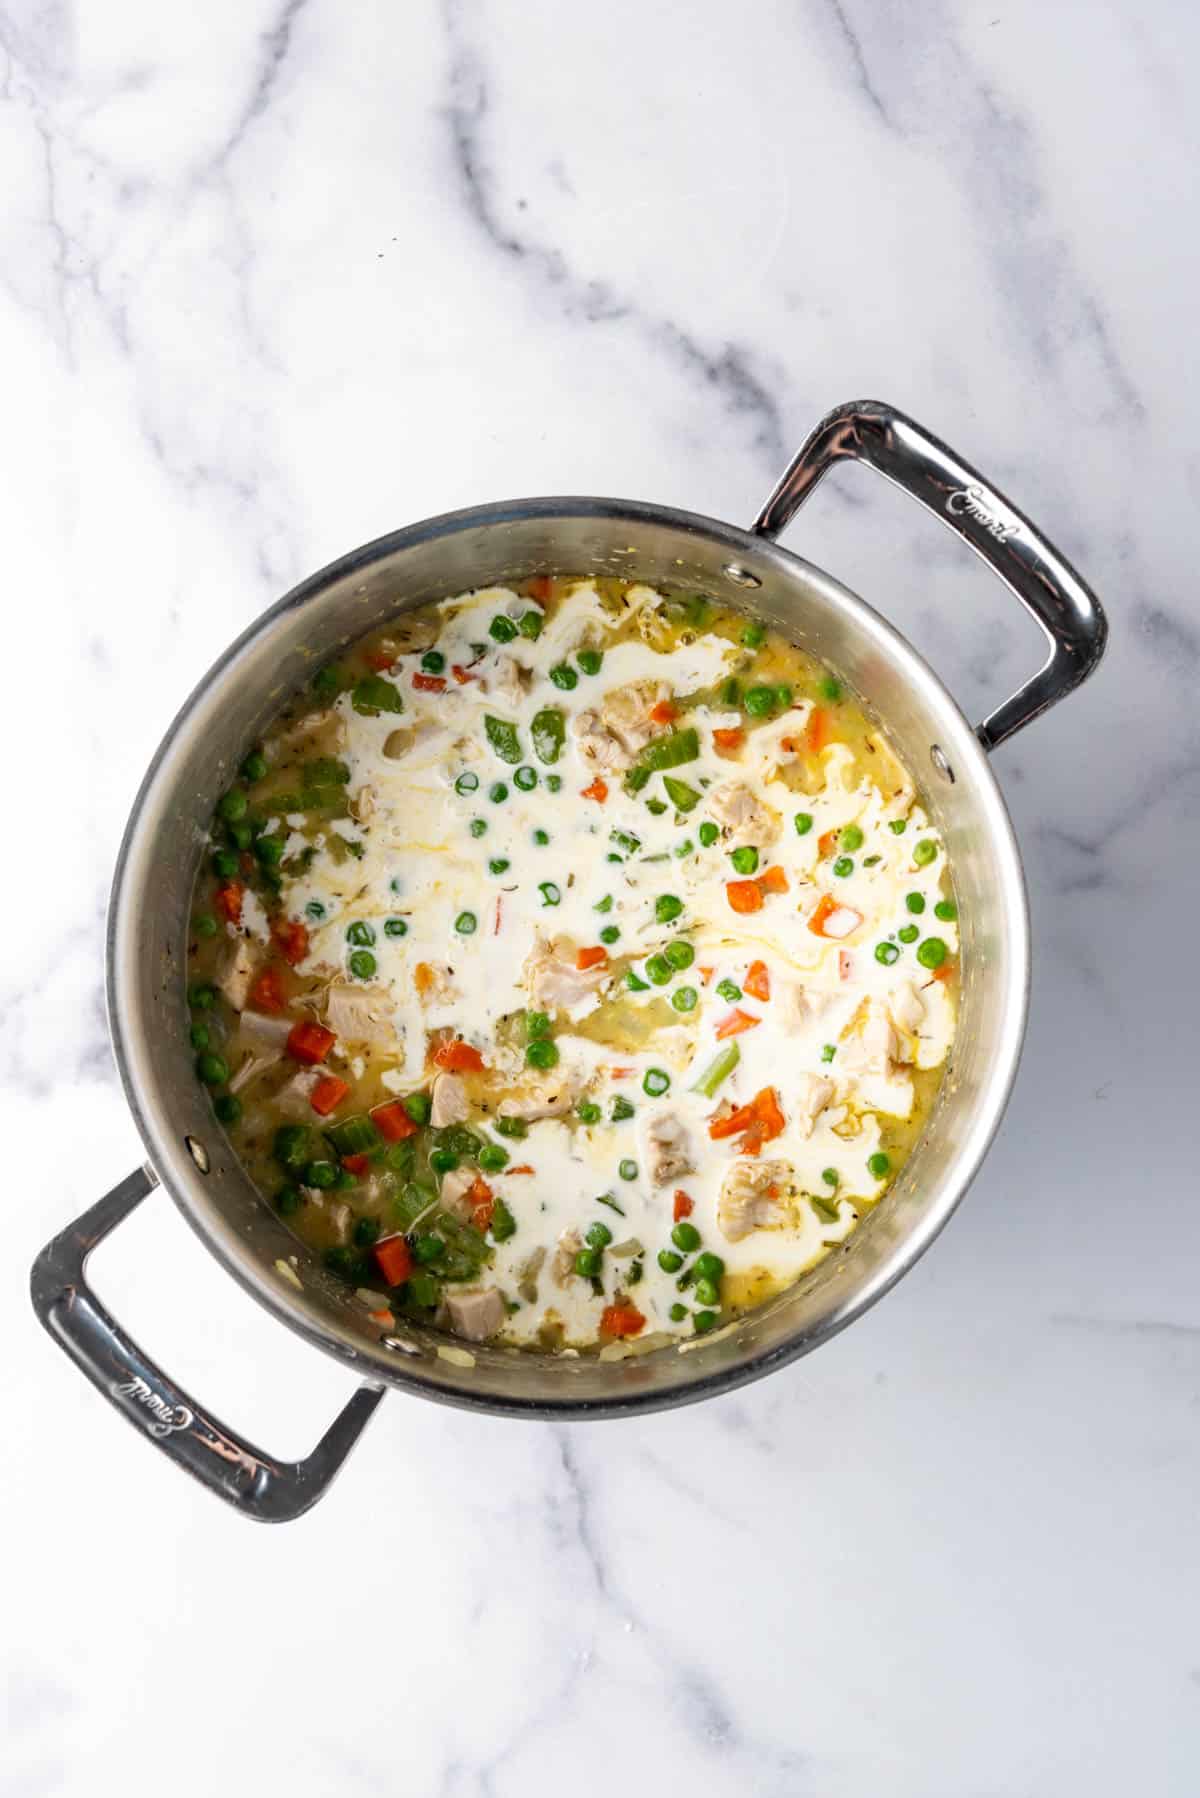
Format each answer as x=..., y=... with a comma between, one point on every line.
x=773, y=880
x=827, y=841
x=392, y=1121
x=752, y=1140
x=382, y=1316
x=945, y=971
x=664, y=712
x=825, y=907
x=732, y=1124
x=621, y=1320
x=482, y=1202
x=734, y=1022
x=619, y=1073
x=728, y=742
x=758, y=981
x=597, y=791
x=292, y=939
x=393, y=1258
x=816, y=732
x=540, y=587
x=229, y=901
x=458, y=1057
x=744, y=895
x=429, y=683
x=591, y=958
x=828, y=909
x=328, y=1094
x=523, y=1167
x=380, y=658
x=266, y=991
x=706, y=974
x=356, y=1164
x=683, y=1206
x=767, y=1114
x=309, y=1042
x=755, y=1123
x=461, y=675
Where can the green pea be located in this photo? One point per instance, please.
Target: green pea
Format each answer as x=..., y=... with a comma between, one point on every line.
x=621, y=1109
x=564, y=677
x=537, y=1023
x=667, y=908
x=685, y=1236
x=727, y=989
x=681, y=955
x=878, y=1165
x=627, y=1169
x=745, y=860
x=466, y=923
x=418, y=1107
x=428, y=1249
x=677, y=1313
x=945, y=909
x=551, y=894
x=830, y=1176
x=915, y=902
x=656, y=1082
x=228, y=1108
x=395, y=927
x=541, y=838
x=669, y=1261
x=753, y=635
x=803, y=822
x=314, y=910
x=851, y=837
x=659, y=969
x=590, y=660
x=898, y=826
x=708, y=834
x=843, y=866
x=502, y=629
x=492, y=1158
x=291, y=1145
x=685, y=998
x=360, y=933
x=887, y=953
x=707, y=1292
x=233, y=805
x=224, y=864
x=516, y=1127
x=759, y=701
x=206, y=926
x=924, y=852
x=599, y=1236
x=588, y=1112
x=321, y=1174
x=543, y=1053
x=708, y=1266
x=269, y=851
x=362, y=964
x=254, y=766
x=525, y=778
x=212, y=1069
x=830, y=689
x=433, y=661
x=704, y=1321
x=478, y=827
x=588, y=1263
x=498, y=792
x=610, y=934
x=467, y=782
x=443, y=1161
x=499, y=864
x=199, y=1036
x=241, y=835
x=288, y=1200
x=554, y=783
x=908, y=933
x=932, y=952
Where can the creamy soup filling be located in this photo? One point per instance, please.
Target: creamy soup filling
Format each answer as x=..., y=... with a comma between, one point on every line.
x=573, y=965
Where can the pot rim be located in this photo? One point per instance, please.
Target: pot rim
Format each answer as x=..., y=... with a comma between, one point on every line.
x=164, y=1154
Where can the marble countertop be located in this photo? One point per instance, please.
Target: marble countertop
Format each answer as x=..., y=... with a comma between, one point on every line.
x=278, y=278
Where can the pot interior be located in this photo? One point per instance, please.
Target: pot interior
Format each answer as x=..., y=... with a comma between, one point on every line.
x=503, y=544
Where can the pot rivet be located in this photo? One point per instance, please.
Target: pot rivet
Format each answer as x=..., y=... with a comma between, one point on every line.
x=937, y=756
x=198, y=1152
x=741, y=577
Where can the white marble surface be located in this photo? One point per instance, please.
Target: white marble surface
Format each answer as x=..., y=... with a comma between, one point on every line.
x=274, y=279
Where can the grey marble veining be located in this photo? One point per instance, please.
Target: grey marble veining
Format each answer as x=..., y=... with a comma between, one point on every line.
x=275, y=278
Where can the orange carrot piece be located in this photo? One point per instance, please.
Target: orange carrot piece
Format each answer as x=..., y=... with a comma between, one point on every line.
x=328, y=1094
x=684, y=1206
x=621, y=1320
x=773, y=880
x=457, y=1057
x=393, y=1122
x=229, y=901
x=816, y=732
x=727, y=742
x=393, y=1258
x=309, y=1042
x=597, y=791
x=664, y=712
x=292, y=939
x=591, y=958
x=734, y=1022
x=758, y=981
x=429, y=683
x=744, y=895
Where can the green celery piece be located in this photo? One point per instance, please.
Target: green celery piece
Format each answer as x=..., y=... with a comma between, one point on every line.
x=682, y=797
x=718, y=1070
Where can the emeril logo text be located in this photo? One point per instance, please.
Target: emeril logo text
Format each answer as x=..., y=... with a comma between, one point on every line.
x=164, y=1417
x=981, y=507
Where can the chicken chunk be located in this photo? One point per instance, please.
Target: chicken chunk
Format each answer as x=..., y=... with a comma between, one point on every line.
x=553, y=981
x=455, y=1187
x=872, y=1045
x=359, y=1014
x=598, y=748
x=252, y=1067
x=264, y=1033
x=434, y=981
x=475, y=1315
x=562, y=1267
x=550, y=1097
x=907, y=1008
x=449, y=1101
x=743, y=817
x=751, y=1198
x=506, y=680
x=625, y=712
x=813, y=1093
x=325, y=724
x=670, y=1149
x=793, y=1007
x=237, y=971
x=293, y=1099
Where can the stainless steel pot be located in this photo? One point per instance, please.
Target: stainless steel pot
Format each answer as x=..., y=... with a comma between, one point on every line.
x=147, y=933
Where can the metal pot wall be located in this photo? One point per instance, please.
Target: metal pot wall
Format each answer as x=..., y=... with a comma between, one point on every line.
x=147, y=934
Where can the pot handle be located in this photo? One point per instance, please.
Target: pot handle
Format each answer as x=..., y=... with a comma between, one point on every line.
x=255, y=1484
x=1047, y=586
